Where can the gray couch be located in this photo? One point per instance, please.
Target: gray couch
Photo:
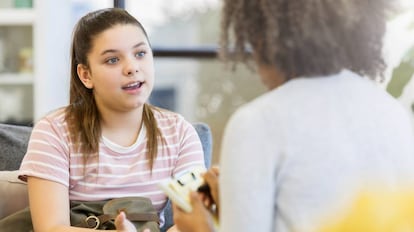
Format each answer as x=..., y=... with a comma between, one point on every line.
x=13, y=145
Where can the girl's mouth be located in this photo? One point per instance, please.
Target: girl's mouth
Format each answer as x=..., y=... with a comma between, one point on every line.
x=131, y=86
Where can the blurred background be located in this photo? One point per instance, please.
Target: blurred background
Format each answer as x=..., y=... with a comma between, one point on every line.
x=34, y=58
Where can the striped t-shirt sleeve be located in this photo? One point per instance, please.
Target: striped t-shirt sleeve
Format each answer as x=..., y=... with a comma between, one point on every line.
x=190, y=148
x=47, y=154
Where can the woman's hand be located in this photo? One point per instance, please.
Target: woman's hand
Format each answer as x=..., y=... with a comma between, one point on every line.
x=199, y=219
x=124, y=225
x=211, y=179
x=171, y=229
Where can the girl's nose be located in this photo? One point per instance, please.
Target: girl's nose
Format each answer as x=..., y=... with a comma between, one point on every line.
x=131, y=72
x=131, y=67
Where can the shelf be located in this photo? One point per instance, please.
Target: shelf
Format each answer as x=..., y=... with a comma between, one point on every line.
x=16, y=78
x=12, y=16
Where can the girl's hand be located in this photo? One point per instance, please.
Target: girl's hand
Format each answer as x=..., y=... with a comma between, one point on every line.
x=199, y=219
x=124, y=225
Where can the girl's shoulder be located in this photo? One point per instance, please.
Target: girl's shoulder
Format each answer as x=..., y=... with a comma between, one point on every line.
x=164, y=116
x=172, y=121
x=55, y=117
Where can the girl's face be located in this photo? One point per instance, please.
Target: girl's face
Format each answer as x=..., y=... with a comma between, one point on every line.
x=121, y=69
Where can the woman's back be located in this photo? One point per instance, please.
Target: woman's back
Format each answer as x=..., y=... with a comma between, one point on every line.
x=313, y=143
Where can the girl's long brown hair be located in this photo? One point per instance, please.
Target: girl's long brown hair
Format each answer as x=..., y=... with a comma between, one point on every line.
x=82, y=115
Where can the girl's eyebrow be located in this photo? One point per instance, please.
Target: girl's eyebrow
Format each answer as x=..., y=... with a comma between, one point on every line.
x=139, y=44
x=114, y=50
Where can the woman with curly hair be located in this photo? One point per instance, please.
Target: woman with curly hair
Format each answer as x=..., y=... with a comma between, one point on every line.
x=304, y=149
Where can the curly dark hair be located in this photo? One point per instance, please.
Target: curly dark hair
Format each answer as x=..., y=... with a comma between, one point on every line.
x=307, y=37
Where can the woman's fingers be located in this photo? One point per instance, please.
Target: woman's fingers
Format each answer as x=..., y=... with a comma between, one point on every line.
x=216, y=170
x=199, y=219
x=211, y=178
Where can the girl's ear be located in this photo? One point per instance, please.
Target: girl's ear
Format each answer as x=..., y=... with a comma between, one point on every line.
x=84, y=76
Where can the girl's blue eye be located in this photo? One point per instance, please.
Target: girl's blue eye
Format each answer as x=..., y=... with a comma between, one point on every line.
x=112, y=60
x=140, y=54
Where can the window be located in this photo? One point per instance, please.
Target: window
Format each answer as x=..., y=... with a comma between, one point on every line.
x=184, y=36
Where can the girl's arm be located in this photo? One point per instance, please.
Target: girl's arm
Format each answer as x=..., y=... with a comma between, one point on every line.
x=49, y=206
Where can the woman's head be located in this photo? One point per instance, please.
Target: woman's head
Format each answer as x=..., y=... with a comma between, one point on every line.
x=307, y=37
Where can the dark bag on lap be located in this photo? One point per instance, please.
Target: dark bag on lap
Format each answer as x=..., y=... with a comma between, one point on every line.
x=95, y=215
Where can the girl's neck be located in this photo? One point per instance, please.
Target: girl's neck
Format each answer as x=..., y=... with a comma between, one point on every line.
x=122, y=128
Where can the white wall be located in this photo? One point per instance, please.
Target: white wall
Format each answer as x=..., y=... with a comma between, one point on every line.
x=52, y=35
x=52, y=39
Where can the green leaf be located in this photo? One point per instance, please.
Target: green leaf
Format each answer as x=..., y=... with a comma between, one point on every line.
x=402, y=74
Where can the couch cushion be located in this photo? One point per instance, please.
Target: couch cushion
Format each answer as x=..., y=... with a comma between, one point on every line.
x=13, y=193
x=13, y=145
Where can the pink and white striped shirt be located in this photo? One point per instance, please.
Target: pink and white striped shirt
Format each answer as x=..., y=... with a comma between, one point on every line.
x=116, y=171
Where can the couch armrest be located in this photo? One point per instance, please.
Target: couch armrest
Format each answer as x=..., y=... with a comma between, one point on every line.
x=13, y=193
